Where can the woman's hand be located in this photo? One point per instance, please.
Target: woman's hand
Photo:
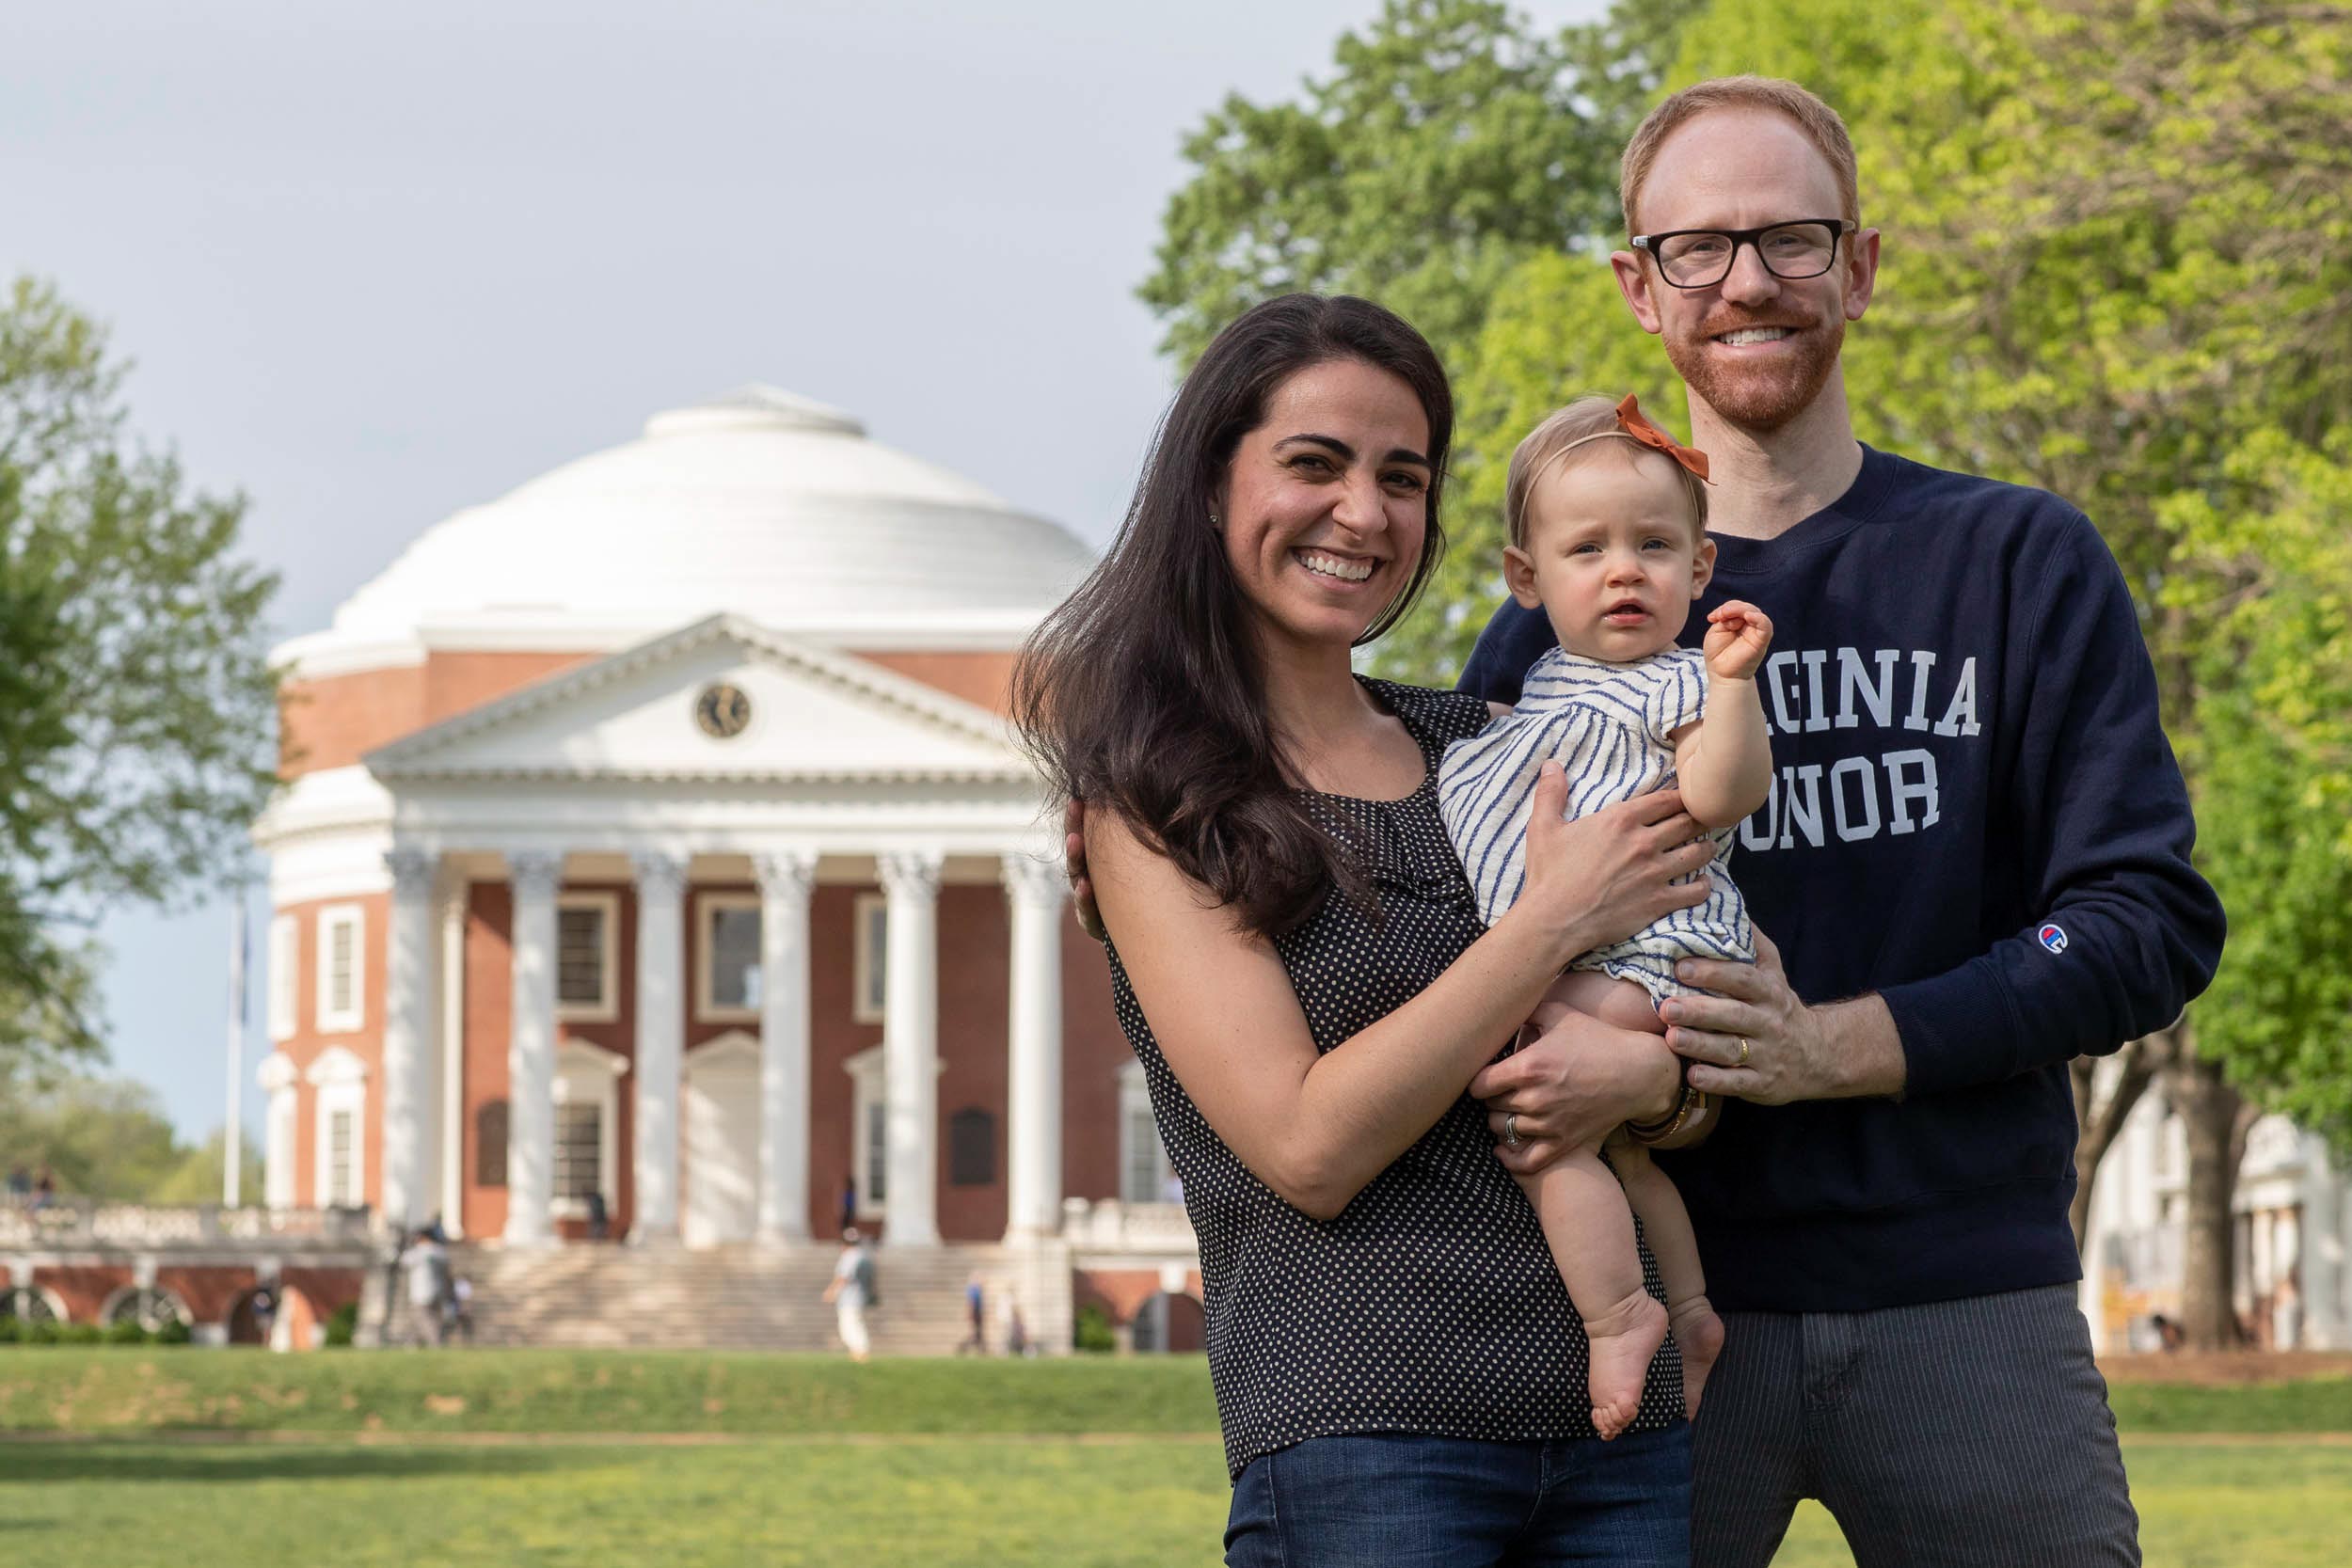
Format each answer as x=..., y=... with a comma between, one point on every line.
x=1602, y=878
x=1571, y=1083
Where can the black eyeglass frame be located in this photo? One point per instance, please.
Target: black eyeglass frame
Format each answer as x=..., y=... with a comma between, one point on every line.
x=1838, y=229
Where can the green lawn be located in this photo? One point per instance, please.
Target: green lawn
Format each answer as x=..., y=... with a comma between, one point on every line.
x=145, y=1457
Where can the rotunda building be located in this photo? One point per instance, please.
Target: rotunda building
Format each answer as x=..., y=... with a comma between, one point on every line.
x=654, y=863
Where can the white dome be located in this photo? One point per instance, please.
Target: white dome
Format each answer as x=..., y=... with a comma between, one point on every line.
x=757, y=502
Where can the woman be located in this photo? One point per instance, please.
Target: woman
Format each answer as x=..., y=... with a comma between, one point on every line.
x=1297, y=960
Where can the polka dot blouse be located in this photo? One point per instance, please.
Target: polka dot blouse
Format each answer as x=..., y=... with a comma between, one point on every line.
x=1430, y=1304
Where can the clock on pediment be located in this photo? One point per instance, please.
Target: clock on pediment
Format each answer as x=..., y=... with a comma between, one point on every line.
x=723, y=711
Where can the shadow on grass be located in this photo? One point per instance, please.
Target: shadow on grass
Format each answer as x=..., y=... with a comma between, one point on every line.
x=231, y=1463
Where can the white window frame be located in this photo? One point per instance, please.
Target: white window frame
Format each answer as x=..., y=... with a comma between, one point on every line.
x=586, y=1074
x=340, y=1082
x=606, y=1009
x=332, y=1020
x=870, y=931
x=706, y=908
x=285, y=956
x=1135, y=1110
x=868, y=1093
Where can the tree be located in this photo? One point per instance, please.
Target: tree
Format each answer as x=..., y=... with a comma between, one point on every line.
x=103, y=1138
x=196, y=1178
x=138, y=695
x=1449, y=143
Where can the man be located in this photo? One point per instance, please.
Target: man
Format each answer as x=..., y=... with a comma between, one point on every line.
x=851, y=1291
x=426, y=1265
x=1975, y=862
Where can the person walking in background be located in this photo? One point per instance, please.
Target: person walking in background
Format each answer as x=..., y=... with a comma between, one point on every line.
x=849, y=1205
x=852, y=1292
x=458, y=1309
x=426, y=1266
x=20, y=1187
x=45, y=1189
x=975, y=1315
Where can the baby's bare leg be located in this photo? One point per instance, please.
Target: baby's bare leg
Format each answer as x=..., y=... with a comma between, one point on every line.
x=1619, y=1003
x=1590, y=1230
x=1666, y=1226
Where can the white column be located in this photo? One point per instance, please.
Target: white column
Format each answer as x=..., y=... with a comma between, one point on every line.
x=2322, y=1280
x=278, y=1080
x=1035, y=888
x=449, y=910
x=408, y=1023
x=531, y=1051
x=785, y=878
x=660, y=1040
x=910, y=1046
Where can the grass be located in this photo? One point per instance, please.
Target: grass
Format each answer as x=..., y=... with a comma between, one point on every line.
x=351, y=1459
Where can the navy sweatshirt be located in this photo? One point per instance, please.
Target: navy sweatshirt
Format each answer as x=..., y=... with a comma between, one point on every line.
x=1975, y=815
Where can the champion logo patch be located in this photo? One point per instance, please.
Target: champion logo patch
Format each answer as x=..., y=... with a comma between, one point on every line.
x=2053, y=937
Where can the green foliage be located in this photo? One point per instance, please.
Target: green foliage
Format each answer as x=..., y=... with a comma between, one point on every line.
x=103, y=1138
x=1091, y=1331
x=196, y=1178
x=343, y=1324
x=1449, y=143
x=2268, y=598
x=138, y=701
x=127, y=1332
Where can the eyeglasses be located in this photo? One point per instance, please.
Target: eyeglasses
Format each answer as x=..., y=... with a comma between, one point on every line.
x=1702, y=257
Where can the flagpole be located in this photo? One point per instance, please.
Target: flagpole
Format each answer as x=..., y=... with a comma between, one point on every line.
x=232, y=1136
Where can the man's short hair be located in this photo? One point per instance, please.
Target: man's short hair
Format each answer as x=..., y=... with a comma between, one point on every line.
x=1816, y=120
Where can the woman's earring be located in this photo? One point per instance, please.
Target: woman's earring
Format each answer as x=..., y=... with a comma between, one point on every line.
x=1216, y=521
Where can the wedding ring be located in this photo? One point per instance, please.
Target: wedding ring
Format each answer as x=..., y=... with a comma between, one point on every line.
x=1511, y=1129
x=1744, y=1053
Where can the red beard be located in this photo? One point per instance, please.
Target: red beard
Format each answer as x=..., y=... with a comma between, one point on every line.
x=1760, y=397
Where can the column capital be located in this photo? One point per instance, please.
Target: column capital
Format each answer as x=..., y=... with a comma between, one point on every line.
x=412, y=870
x=658, y=874
x=785, y=873
x=1036, y=880
x=910, y=873
x=535, y=873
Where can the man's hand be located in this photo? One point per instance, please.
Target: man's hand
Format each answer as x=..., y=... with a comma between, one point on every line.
x=1755, y=1040
x=1570, y=1084
x=1073, y=861
x=1737, y=636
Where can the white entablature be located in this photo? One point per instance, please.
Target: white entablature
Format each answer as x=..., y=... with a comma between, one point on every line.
x=834, y=754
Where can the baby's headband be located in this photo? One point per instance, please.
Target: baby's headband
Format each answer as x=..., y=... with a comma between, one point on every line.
x=1633, y=424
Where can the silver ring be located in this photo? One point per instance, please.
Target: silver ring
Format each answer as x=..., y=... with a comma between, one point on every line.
x=1511, y=1129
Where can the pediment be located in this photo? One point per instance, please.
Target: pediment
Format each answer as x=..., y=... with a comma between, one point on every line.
x=809, y=714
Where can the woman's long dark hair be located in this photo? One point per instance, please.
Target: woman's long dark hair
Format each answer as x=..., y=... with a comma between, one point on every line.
x=1143, y=692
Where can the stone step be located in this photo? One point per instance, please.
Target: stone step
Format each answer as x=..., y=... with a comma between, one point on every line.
x=614, y=1296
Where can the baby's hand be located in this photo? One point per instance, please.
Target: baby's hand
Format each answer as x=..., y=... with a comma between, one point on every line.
x=1737, y=635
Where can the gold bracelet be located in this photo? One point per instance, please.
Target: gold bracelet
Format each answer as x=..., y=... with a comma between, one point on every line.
x=1662, y=1133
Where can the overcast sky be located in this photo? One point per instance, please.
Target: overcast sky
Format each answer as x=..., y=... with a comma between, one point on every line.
x=375, y=264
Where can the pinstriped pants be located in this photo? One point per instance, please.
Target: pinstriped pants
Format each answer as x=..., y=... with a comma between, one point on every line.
x=1960, y=1432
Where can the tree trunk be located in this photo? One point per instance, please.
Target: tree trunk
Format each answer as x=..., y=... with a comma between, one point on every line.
x=2099, y=1121
x=2216, y=1118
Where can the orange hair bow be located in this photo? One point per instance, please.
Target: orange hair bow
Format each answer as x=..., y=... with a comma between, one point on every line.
x=1638, y=425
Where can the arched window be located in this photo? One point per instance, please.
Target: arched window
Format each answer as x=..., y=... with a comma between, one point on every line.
x=146, y=1305
x=340, y=1079
x=31, y=1303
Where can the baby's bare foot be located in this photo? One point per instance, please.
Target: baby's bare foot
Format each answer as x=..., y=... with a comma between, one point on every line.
x=1623, y=1339
x=1699, y=1336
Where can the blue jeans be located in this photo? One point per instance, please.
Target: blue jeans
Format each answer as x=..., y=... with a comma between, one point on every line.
x=1407, y=1501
